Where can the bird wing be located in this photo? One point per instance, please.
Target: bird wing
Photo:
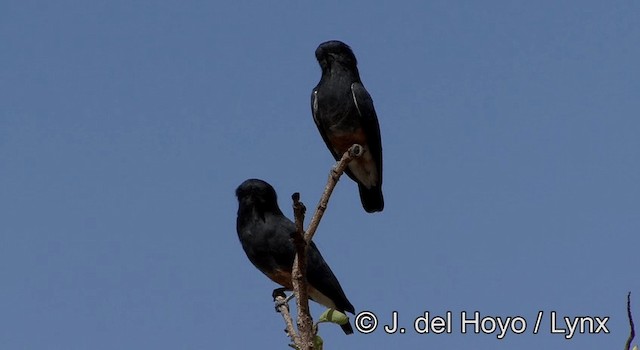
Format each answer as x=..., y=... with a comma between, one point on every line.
x=364, y=105
x=321, y=277
x=319, y=273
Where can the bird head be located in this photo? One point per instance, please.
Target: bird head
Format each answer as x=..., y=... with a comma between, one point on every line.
x=258, y=194
x=335, y=52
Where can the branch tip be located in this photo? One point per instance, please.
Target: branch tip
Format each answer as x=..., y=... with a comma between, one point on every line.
x=632, y=333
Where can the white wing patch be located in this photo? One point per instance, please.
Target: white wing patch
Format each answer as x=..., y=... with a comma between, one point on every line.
x=315, y=106
x=355, y=101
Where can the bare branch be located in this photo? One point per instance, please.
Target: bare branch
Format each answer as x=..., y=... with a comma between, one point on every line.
x=299, y=277
x=283, y=309
x=354, y=151
x=632, y=334
x=304, y=341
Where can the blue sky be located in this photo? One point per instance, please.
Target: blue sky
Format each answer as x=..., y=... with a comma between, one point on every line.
x=510, y=165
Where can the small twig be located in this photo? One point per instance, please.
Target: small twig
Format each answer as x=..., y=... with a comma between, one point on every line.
x=632, y=334
x=283, y=308
x=354, y=151
x=299, y=279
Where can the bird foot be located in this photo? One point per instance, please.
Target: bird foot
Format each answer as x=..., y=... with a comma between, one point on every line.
x=279, y=292
x=356, y=150
x=281, y=298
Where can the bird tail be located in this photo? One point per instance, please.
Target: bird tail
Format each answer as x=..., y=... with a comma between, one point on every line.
x=371, y=198
x=346, y=328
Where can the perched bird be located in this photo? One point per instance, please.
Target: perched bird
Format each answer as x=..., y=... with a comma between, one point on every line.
x=265, y=234
x=343, y=111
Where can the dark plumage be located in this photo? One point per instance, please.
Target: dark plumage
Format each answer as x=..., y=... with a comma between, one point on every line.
x=265, y=234
x=344, y=113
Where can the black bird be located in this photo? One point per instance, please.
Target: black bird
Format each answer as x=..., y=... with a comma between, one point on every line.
x=265, y=234
x=343, y=111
